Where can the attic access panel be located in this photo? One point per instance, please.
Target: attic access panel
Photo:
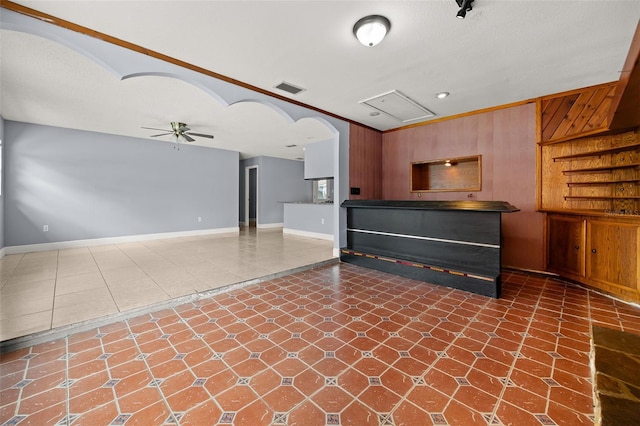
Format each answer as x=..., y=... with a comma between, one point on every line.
x=398, y=106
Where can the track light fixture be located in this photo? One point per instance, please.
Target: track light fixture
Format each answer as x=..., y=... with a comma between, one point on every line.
x=465, y=6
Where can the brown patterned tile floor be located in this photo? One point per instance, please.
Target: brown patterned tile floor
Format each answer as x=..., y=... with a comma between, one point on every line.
x=337, y=345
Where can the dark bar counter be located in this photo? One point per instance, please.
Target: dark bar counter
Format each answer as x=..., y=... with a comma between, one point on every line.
x=451, y=243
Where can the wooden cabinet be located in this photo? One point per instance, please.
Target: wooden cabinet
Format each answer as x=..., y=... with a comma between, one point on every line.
x=566, y=242
x=612, y=255
x=589, y=188
x=600, y=251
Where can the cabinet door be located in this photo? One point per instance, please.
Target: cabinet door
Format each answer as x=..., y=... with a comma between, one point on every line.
x=566, y=241
x=612, y=255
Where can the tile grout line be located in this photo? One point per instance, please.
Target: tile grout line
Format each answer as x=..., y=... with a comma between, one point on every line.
x=106, y=367
x=144, y=271
x=592, y=358
x=515, y=359
x=68, y=385
x=55, y=284
x=389, y=367
x=271, y=367
x=153, y=378
x=24, y=377
x=104, y=279
x=432, y=365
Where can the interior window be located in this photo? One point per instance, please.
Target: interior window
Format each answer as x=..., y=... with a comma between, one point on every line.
x=323, y=190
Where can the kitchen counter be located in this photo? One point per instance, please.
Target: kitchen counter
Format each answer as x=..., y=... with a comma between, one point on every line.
x=304, y=202
x=309, y=219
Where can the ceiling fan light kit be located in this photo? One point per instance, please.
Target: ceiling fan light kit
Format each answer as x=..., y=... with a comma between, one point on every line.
x=179, y=131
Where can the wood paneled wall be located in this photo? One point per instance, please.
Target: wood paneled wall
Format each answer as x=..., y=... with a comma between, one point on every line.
x=506, y=139
x=365, y=162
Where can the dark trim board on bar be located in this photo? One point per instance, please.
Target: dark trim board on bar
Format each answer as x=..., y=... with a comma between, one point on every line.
x=451, y=243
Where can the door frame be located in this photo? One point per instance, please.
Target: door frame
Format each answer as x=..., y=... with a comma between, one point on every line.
x=247, y=194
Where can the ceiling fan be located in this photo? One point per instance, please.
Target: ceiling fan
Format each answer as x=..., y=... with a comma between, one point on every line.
x=179, y=130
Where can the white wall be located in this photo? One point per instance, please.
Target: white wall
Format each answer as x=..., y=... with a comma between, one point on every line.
x=319, y=159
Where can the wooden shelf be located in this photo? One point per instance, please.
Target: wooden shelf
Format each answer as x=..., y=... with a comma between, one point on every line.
x=599, y=183
x=602, y=168
x=602, y=182
x=632, y=216
x=601, y=197
x=447, y=175
x=598, y=153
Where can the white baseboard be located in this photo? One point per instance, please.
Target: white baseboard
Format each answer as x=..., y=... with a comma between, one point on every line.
x=300, y=233
x=269, y=225
x=2, y=252
x=28, y=248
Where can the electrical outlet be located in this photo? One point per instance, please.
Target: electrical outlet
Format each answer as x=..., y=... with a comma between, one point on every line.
x=323, y=221
x=199, y=219
x=45, y=228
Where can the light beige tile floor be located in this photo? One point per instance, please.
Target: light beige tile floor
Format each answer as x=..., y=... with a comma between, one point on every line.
x=44, y=290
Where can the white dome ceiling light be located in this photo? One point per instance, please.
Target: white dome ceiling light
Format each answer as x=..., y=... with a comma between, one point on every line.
x=371, y=29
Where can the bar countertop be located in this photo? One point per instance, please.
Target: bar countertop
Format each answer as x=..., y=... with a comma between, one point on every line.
x=480, y=206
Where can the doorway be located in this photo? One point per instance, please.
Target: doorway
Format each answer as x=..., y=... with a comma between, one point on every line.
x=251, y=196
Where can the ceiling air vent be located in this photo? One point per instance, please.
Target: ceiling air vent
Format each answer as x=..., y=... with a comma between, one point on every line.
x=398, y=106
x=290, y=88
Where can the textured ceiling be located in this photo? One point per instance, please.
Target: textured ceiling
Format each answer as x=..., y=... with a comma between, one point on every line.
x=504, y=51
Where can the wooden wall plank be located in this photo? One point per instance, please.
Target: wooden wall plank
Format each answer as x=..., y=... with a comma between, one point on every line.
x=576, y=113
x=365, y=162
x=601, y=104
x=566, y=126
x=550, y=123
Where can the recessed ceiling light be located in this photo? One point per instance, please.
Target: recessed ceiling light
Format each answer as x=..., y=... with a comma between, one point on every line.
x=442, y=95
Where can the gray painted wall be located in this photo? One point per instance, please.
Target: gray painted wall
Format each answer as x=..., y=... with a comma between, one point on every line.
x=318, y=160
x=316, y=218
x=278, y=180
x=87, y=185
x=2, y=184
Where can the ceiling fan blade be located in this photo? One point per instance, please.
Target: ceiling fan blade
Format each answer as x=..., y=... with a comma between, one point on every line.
x=155, y=128
x=184, y=129
x=202, y=135
x=161, y=134
x=188, y=138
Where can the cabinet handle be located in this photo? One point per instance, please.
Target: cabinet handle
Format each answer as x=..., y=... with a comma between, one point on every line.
x=577, y=247
x=593, y=251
